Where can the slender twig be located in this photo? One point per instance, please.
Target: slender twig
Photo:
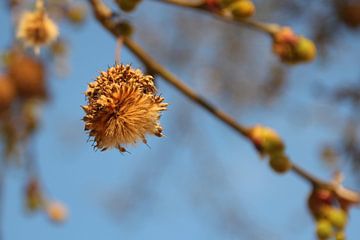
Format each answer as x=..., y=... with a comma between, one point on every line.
x=103, y=14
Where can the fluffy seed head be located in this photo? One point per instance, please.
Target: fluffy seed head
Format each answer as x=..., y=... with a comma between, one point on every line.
x=122, y=108
x=36, y=28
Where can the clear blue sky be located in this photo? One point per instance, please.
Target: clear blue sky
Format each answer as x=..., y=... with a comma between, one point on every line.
x=174, y=195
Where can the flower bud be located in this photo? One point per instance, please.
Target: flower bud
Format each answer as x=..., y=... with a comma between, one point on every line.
x=266, y=140
x=337, y=217
x=324, y=229
x=318, y=200
x=128, y=5
x=280, y=163
x=242, y=9
x=292, y=48
x=305, y=50
x=76, y=14
x=340, y=236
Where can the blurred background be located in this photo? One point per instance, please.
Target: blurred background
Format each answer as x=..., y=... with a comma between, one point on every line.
x=202, y=181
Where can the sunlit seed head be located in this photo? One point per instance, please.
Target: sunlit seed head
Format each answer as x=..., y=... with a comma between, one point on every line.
x=36, y=29
x=122, y=108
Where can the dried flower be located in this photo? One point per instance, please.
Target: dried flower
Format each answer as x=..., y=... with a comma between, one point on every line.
x=56, y=211
x=122, y=108
x=36, y=28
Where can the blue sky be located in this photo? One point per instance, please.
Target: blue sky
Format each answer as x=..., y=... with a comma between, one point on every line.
x=175, y=196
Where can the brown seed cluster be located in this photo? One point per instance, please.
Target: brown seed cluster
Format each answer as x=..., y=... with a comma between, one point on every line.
x=122, y=108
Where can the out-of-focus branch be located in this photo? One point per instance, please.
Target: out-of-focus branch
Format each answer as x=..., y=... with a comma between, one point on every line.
x=104, y=16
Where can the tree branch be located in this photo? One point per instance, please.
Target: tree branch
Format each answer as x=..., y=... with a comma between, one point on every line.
x=104, y=16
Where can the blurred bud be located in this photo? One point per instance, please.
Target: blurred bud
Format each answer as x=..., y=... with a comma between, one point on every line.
x=33, y=197
x=125, y=29
x=7, y=93
x=56, y=211
x=280, y=163
x=128, y=5
x=213, y=5
x=318, y=199
x=349, y=13
x=340, y=236
x=305, y=50
x=28, y=75
x=337, y=217
x=292, y=48
x=58, y=48
x=242, y=9
x=266, y=140
x=324, y=229
x=76, y=14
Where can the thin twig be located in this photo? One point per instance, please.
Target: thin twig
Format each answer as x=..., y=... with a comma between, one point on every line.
x=103, y=14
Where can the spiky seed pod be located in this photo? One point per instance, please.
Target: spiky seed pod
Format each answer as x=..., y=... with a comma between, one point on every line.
x=122, y=108
x=36, y=29
x=7, y=92
x=28, y=75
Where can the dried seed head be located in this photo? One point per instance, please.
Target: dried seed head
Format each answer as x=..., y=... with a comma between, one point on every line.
x=28, y=75
x=7, y=92
x=122, y=108
x=36, y=28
